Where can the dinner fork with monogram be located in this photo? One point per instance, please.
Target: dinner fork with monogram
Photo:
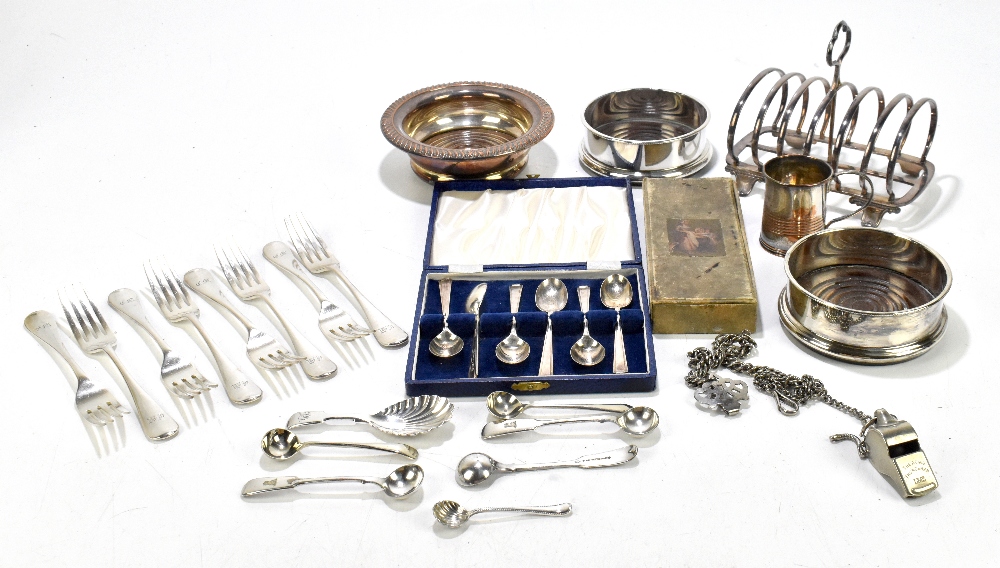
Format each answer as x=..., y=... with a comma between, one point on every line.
x=94, y=336
x=248, y=285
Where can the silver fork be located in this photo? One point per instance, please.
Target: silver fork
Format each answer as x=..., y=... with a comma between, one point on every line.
x=333, y=320
x=175, y=303
x=318, y=259
x=95, y=404
x=179, y=376
x=263, y=350
x=94, y=336
x=248, y=285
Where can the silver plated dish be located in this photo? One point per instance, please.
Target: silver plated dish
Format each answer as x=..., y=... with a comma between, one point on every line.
x=642, y=133
x=468, y=129
x=864, y=295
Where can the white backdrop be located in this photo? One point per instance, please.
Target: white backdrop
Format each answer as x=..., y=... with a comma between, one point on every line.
x=138, y=129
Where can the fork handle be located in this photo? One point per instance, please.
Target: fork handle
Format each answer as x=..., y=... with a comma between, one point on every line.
x=240, y=389
x=316, y=364
x=126, y=302
x=42, y=324
x=282, y=257
x=387, y=333
x=207, y=286
x=156, y=423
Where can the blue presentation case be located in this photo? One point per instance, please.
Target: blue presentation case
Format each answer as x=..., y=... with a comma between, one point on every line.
x=427, y=374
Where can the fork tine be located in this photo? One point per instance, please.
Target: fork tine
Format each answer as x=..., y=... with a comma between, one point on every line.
x=168, y=294
x=246, y=265
x=95, y=419
x=104, y=325
x=228, y=268
x=106, y=414
x=317, y=240
x=160, y=300
x=176, y=288
x=77, y=333
x=181, y=391
x=93, y=328
x=296, y=238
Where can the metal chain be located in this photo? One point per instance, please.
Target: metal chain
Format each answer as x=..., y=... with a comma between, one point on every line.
x=728, y=351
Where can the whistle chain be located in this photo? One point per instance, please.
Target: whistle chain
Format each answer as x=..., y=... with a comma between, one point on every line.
x=789, y=392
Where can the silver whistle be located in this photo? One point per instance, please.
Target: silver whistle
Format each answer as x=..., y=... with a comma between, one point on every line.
x=892, y=447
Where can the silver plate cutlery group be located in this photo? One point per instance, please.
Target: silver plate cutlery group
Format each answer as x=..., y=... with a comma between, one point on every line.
x=95, y=400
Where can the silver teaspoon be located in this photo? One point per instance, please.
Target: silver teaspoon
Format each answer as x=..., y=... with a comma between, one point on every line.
x=281, y=444
x=513, y=350
x=505, y=405
x=451, y=514
x=616, y=293
x=477, y=468
x=403, y=481
x=587, y=351
x=639, y=421
x=445, y=344
x=550, y=297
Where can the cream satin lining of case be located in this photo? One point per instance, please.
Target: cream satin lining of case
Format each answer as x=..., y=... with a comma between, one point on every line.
x=533, y=226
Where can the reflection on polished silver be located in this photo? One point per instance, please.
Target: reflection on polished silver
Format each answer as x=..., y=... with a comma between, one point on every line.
x=445, y=344
x=400, y=483
x=513, y=350
x=505, y=405
x=795, y=200
x=316, y=257
x=281, y=444
x=467, y=129
x=94, y=336
x=263, y=350
x=175, y=303
x=473, y=305
x=894, y=450
x=410, y=417
x=638, y=421
x=453, y=515
x=334, y=322
x=93, y=401
x=789, y=133
x=179, y=376
x=587, y=351
x=247, y=284
x=642, y=133
x=616, y=293
x=723, y=395
x=477, y=468
x=865, y=295
x=550, y=297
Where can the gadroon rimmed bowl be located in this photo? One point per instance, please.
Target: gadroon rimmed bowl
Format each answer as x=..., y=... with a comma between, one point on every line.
x=641, y=133
x=468, y=129
x=864, y=295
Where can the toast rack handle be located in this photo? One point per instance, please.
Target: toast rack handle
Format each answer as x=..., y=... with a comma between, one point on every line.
x=842, y=26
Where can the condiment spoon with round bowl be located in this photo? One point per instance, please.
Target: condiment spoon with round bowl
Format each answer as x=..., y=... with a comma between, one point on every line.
x=445, y=344
x=477, y=468
x=505, y=405
x=400, y=483
x=281, y=444
x=638, y=421
x=453, y=515
x=587, y=351
x=513, y=350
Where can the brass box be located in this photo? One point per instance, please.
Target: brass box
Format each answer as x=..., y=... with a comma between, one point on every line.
x=700, y=277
